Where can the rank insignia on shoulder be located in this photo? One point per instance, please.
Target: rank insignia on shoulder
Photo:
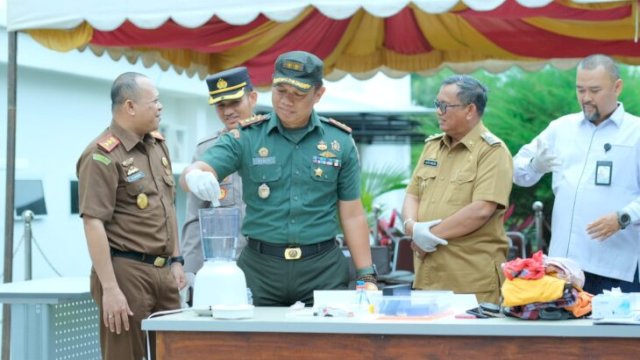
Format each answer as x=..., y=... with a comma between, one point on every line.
x=156, y=134
x=490, y=138
x=339, y=125
x=434, y=137
x=108, y=143
x=101, y=158
x=255, y=119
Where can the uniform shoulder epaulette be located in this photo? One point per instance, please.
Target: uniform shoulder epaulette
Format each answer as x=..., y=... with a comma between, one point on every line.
x=338, y=124
x=434, y=137
x=156, y=134
x=255, y=119
x=490, y=138
x=207, y=139
x=108, y=143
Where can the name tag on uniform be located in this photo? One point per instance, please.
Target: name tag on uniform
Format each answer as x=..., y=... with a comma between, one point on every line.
x=431, y=162
x=135, y=176
x=264, y=161
x=603, y=172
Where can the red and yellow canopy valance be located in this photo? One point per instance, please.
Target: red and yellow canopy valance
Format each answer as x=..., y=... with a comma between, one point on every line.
x=358, y=37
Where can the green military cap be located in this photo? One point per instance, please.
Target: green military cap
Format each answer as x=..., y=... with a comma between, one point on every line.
x=300, y=69
x=228, y=85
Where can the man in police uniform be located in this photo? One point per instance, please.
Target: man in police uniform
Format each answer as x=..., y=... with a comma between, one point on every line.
x=126, y=196
x=457, y=197
x=232, y=94
x=298, y=170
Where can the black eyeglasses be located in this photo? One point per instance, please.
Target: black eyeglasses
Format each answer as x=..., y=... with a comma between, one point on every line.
x=442, y=106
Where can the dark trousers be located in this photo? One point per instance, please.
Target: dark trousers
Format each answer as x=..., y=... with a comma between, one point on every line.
x=275, y=281
x=594, y=284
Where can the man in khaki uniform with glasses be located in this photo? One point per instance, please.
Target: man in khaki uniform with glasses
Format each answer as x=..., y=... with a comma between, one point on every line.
x=457, y=197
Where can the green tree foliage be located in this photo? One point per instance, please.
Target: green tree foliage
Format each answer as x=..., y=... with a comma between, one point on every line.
x=377, y=181
x=521, y=104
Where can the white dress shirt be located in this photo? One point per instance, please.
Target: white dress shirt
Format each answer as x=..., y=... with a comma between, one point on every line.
x=579, y=144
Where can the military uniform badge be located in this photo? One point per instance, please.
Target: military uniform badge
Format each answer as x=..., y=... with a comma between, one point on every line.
x=101, y=158
x=132, y=170
x=142, y=201
x=235, y=133
x=221, y=84
x=264, y=191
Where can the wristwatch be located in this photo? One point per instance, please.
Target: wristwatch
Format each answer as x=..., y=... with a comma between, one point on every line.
x=178, y=259
x=369, y=274
x=623, y=219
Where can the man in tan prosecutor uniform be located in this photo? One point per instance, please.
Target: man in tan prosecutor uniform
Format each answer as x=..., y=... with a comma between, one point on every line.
x=457, y=197
x=126, y=196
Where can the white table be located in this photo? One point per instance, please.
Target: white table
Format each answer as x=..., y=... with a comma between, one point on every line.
x=274, y=334
x=52, y=319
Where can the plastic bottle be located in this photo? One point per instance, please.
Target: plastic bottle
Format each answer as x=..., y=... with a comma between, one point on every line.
x=362, y=299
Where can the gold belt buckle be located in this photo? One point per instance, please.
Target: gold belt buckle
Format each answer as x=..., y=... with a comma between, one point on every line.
x=292, y=253
x=159, y=261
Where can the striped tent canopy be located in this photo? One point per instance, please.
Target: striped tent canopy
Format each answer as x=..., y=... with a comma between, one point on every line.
x=360, y=37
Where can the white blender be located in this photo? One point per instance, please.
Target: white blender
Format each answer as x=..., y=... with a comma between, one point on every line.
x=220, y=287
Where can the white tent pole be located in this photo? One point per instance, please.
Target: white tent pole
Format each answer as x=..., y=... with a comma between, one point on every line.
x=10, y=196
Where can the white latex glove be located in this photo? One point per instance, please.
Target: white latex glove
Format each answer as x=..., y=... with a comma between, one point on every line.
x=543, y=162
x=423, y=237
x=204, y=185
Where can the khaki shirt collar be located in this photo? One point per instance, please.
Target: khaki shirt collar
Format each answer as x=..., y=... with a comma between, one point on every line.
x=469, y=140
x=126, y=137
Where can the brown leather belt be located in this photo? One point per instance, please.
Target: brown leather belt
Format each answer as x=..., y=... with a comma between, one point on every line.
x=290, y=251
x=155, y=260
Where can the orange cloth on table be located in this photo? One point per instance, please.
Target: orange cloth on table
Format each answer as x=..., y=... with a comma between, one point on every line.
x=519, y=291
x=582, y=306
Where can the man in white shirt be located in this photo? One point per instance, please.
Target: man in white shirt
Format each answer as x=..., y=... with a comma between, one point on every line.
x=594, y=156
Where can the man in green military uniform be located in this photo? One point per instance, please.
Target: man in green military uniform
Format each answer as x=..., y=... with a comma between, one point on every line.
x=457, y=197
x=298, y=170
